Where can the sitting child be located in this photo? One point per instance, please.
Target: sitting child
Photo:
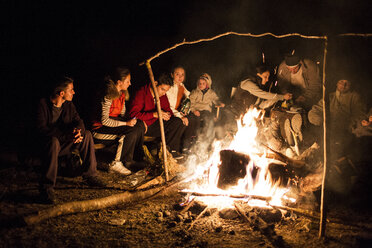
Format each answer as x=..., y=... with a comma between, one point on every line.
x=202, y=98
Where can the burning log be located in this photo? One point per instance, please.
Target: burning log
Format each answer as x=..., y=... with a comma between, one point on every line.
x=232, y=168
x=239, y=196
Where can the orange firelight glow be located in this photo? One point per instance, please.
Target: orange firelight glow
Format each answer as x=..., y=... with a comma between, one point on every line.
x=205, y=176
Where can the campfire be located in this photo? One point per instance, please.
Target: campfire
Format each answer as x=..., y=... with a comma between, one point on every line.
x=243, y=169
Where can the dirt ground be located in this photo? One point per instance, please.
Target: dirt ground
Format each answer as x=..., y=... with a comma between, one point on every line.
x=158, y=222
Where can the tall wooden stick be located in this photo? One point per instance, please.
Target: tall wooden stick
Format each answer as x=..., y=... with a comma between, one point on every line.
x=231, y=33
x=151, y=75
x=323, y=214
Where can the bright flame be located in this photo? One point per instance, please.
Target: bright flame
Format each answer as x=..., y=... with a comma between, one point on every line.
x=206, y=175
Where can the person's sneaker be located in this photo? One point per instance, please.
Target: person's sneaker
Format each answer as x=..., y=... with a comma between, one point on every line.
x=186, y=151
x=95, y=181
x=176, y=155
x=135, y=165
x=117, y=166
x=47, y=195
x=288, y=133
x=296, y=125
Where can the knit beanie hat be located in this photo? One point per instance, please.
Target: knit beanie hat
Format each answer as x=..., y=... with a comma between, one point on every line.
x=291, y=60
x=207, y=78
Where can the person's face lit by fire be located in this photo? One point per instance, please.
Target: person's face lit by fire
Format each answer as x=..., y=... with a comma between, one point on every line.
x=202, y=84
x=264, y=76
x=294, y=69
x=343, y=86
x=178, y=76
x=162, y=89
x=68, y=93
x=124, y=83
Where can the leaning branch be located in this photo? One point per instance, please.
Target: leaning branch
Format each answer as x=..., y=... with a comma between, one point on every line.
x=231, y=33
x=95, y=204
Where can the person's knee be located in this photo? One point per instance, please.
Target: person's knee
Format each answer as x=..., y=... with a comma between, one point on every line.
x=177, y=122
x=88, y=134
x=88, y=137
x=54, y=143
x=314, y=118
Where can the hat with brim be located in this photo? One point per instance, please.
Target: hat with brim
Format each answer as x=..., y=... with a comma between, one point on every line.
x=292, y=60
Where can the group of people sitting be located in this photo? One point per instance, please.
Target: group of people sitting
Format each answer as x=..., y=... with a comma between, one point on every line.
x=62, y=130
x=187, y=115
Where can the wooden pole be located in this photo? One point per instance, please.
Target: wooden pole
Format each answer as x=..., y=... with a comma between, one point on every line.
x=323, y=214
x=184, y=42
x=151, y=75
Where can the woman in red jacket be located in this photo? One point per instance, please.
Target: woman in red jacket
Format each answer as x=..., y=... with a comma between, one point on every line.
x=144, y=108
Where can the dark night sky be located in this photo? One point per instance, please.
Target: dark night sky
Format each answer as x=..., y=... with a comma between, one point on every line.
x=41, y=39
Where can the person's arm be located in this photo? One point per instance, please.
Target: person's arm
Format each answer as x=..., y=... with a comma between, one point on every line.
x=358, y=109
x=193, y=99
x=78, y=123
x=172, y=99
x=42, y=121
x=315, y=114
x=105, y=115
x=186, y=92
x=283, y=78
x=312, y=78
x=256, y=91
x=138, y=106
x=164, y=104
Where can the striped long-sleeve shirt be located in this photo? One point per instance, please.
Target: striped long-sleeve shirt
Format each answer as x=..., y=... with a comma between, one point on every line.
x=105, y=116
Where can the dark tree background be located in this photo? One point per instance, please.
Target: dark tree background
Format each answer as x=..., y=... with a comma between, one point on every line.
x=85, y=39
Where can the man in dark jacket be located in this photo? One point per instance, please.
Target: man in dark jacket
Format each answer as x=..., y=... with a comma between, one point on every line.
x=61, y=130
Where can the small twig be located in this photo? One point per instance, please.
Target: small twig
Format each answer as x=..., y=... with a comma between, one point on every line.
x=201, y=214
x=241, y=212
x=191, y=203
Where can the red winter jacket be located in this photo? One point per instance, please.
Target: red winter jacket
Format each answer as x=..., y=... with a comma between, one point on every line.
x=143, y=105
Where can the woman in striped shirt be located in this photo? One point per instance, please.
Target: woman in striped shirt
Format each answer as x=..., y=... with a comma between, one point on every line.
x=114, y=124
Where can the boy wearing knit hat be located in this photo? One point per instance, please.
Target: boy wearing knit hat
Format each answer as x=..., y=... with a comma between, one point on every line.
x=300, y=77
x=202, y=98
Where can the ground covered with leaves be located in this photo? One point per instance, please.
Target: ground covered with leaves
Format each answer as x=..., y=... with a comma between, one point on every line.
x=160, y=222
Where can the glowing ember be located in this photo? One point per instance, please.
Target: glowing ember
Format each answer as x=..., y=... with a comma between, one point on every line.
x=206, y=175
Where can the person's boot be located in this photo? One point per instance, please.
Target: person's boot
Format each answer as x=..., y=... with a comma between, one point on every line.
x=296, y=123
x=47, y=195
x=275, y=139
x=288, y=132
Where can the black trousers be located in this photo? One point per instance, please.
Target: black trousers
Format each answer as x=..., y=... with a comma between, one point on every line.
x=173, y=129
x=190, y=130
x=204, y=124
x=133, y=141
x=54, y=148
